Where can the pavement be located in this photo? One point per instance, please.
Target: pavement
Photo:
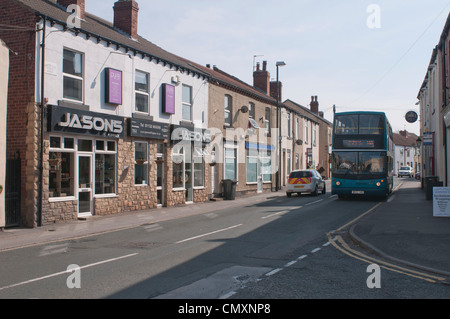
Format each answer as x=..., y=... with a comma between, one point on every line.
x=402, y=229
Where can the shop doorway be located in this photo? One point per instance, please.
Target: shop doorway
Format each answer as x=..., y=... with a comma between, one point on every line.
x=85, y=189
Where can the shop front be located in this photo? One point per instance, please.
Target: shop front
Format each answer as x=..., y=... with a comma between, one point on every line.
x=81, y=156
x=188, y=158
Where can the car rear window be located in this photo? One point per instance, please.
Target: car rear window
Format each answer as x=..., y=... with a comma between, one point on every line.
x=300, y=174
x=404, y=168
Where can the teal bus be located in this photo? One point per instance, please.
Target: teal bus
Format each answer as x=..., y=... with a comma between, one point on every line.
x=362, y=154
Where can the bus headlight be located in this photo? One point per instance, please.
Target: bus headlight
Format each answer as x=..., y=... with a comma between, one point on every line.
x=338, y=183
x=378, y=184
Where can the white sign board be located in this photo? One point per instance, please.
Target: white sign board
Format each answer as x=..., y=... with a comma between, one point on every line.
x=441, y=201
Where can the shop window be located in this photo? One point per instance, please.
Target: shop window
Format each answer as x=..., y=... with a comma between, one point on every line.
x=84, y=145
x=178, y=167
x=230, y=162
x=252, y=165
x=266, y=161
x=159, y=173
x=72, y=75
x=199, y=167
x=105, y=167
x=61, y=174
x=61, y=167
x=141, y=163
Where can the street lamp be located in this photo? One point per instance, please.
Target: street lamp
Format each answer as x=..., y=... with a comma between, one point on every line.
x=419, y=142
x=278, y=64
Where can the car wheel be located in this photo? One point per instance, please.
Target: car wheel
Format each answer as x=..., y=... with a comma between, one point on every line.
x=316, y=191
x=288, y=194
x=324, y=190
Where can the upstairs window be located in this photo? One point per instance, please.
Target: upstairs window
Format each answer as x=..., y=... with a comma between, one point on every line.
x=228, y=107
x=187, y=103
x=141, y=88
x=251, y=110
x=72, y=75
x=267, y=120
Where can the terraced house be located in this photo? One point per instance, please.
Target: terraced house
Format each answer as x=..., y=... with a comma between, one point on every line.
x=103, y=121
x=92, y=110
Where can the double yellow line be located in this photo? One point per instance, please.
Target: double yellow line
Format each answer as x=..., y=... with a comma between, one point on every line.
x=339, y=243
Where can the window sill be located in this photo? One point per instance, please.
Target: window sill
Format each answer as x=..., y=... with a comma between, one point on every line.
x=106, y=196
x=61, y=199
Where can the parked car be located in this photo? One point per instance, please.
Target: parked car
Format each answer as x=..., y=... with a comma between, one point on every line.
x=405, y=171
x=305, y=181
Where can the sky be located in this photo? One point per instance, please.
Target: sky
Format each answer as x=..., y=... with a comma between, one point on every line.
x=360, y=55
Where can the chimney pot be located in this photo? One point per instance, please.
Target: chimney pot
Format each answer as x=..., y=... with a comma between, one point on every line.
x=264, y=65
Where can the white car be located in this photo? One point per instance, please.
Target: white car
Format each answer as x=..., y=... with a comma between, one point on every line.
x=305, y=181
x=405, y=171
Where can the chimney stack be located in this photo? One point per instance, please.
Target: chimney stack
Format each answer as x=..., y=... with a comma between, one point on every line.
x=126, y=17
x=314, y=105
x=261, y=78
x=79, y=3
x=273, y=90
x=404, y=133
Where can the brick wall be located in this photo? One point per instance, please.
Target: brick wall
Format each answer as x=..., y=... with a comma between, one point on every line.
x=21, y=119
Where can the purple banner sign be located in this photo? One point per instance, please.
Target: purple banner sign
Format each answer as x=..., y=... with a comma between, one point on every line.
x=113, y=86
x=168, y=98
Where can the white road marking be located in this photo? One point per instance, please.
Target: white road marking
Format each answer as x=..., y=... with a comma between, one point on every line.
x=153, y=227
x=211, y=215
x=277, y=214
x=289, y=264
x=273, y=272
x=317, y=201
x=315, y=250
x=207, y=234
x=54, y=249
x=65, y=272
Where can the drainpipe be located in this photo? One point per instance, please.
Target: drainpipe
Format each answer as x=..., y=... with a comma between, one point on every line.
x=444, y=72
x=41, y=168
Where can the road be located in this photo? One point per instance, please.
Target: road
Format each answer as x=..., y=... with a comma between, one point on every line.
x=275, y=248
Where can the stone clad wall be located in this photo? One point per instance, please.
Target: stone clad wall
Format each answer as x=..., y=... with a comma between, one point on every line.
x=128, y=197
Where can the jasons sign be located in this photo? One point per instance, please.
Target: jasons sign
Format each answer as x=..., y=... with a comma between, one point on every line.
x=85, y=122
x=191, y=134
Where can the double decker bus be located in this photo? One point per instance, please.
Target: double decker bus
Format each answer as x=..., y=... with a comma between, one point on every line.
x=362, y=154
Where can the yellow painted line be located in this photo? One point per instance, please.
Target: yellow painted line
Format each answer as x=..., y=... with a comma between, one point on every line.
x=388, y=266
x=359, y=217
x=345, y=248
